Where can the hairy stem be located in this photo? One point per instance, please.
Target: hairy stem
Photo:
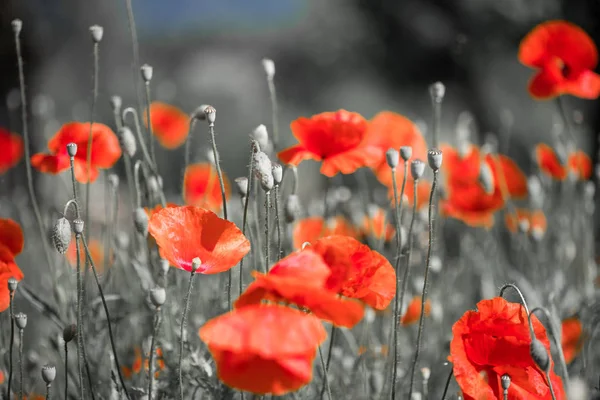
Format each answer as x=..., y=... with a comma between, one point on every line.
x=66, y=371
x=326, y=387
x=183, y=322
x=157, y=321
x=253, y=149
x=12, y=341
x=79, y=316
x=89, y=143
x=21, y=363
x=150, y=135
x=277, y=222
x=135, y=50
x=274, y=112
x=267, y=235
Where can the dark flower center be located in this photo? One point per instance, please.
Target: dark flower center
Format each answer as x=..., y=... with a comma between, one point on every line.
x=565, y=70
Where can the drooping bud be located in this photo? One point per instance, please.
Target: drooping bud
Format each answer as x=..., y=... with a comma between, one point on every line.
x=61, y=235
x=69, y=332
x=292, y=208
x=486, y=178
x=48, y=374
x=21, y=320
x=97, y=33
x=241, y=184
x=261, y=135
x=12, y=284
x=437, y=91
x=17, y=25
x=406, y=152
x=211, y=115
x=158, y=296
x=277, y=171
x=269, y=67
x=392, y=157
x=127, y=141
x=78, y=226
x=196, y=264
x=147, y=72
x=539, y=354
x=262, y=170
x=140, y=220
x=434, y=157
x=417, y=169
x=72, y=149
x=116, y=102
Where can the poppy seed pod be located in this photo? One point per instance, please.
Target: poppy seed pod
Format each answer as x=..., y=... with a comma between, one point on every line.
x=277, y=171
x=158, y=296
x=113, y=181
x=261, y=135
x=147, y=72
x=140, y=220
x=486, y=178
x=417, y=169
x=196, y=264
x=61, y=235
x=48, y=374
x=392, y=157
x=17, y=25
x=241, y=184
x=12, y=284
x=292, y=208
x=78, y=226
x=127, y=141
x=21, y=320
x=434, y=158
x=72, y=149
x=97, y=32
x=211, y=114
x=269, y=67
x=437, y=91
x=116, y=102
x=426, y=373
x=539, y=355
x=406, y=152
x=69, y=332
x=505, y=382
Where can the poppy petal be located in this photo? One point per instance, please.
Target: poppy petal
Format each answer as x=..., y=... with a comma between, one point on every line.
x=549, y=163
x=571, y=338
x=50, y=164
x=544, y=85
x=201, y=187
x=8, y=269
x=12, y=150
x=581, y=164
x=350, y=161
x=585, y=86
x=296, y=154
x=11, y=235
x=170, y=125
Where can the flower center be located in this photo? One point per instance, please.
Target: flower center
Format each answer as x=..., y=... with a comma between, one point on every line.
x=565, y=71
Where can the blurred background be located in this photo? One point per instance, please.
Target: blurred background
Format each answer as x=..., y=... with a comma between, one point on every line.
x=364, y=56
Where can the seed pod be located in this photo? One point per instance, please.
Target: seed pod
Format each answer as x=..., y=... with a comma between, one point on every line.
x=78, y=226
x=392, y=157
x=21, y=320
x=434, y=157
x=196, y=264
x=158, y=296
x=72, y=149
x=48, y=374
x=269, y=67
x=505, y=381
x=277, y=172
x=437, y=91
x=140, y=220
x=97, y=32
x=417, y=169
x=292, y=208
x=17, y=25
x=116, y=102
x=242, y=186
x=61, y=235
x=211, y=114
x=147, y=72
x=406, y=152
x=262, y=170
x=12, y=284
x=539, y=355
x=127, y=141
x=69, y=332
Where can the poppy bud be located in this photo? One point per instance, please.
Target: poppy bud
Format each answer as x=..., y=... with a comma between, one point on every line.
x=115, y=103
x=140, y=220
x=486, y=178
x=147, y=72
x=261, y=135
x=12, y=284
x=434, y=157
x=21, y=320
x=78, y=226
x=426, y=373
x=505, y=382
x=417, y=169
x=97, y=32
x=113, y=181
x=242, y=186
x=158, y=296
x=406, y=152
x=61, y=235
x=48, y=374
x=127, y=141
x=72, y=149
x=392, y=158
x=266, y=181
x=262, y=169
x=292, y=208
x=277, y=171
x=17, y=25
x=539, y=355
x=164, y=265
x=269, y=67
x=437, y=91
x=152, y=184
x=196, y=264
x=211, y=114
x=69, y=332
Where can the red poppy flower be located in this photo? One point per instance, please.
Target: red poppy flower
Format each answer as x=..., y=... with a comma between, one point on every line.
x=12, y=150
x=184, y=233
x=506, y=171
x=565, y=56
x=105, y=151
x=390, y=130
x=96, y=251
x=170, y=125
x=549, y=163
x=357, y=271
x=513, y=220
x=493, y=341
x=572, y=338
x=413, y=311
x=581, y=164
x=11, y=236
x=376, y=225
x=264, y=348
x=201, y=187
x=8, y=269
x=338, y=139
x=301, y=279
x=157, y=208
x=538, y=222
x=310, y=229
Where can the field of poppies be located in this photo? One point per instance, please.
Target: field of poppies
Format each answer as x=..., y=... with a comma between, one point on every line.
x=468, y=279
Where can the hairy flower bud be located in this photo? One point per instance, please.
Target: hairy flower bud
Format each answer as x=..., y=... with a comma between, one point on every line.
x=69, y=332
x=406, y=152
x=262, y=170
x=261, y=135
x=21, y=320
x=72, y=149
x=434, y=158
x=277, y=172
x=127, y=141
x=140, y=220
x=437, y=92
x=147, y=72
x=48, y=374
x=158, y=296
x=417, y=169
x=392, y=157
x=292, y=208
x=61, y=235
x=211, y=114
x=241, y=184
x=97, y=32
x=539, y=354
x=78, y=226
x=269, y=67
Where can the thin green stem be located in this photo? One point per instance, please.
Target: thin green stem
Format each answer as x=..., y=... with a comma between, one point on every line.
x=89, y=143
x=79, y=316
x=135, y=51
x=12, y=341
x=181, y=335
x=157, y=321
x=550, y=386
x=66, y=371
x=278, y=223
x=557, y=344
x=211, y=131
x=425, y=282
x=325, y=378
x=267, y=235
x=140, y=138
x=150, y=135
x=274, y=112
x=21, y=363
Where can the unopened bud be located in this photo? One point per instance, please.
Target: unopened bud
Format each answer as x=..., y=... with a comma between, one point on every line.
x=196, y=264
x=262, y=170
x=152, y=184
x=140, y=220
x=127, y=141
x=406, y=152
x=211, y=114
x=147, y=72
x=434, y=157
x=261, y=135
x=17, y=25
x=21, y=320
x=78, y=226
x=69, y=332
x=12, y=284
x=437, y=91
x=269, y=67
x=277, y=171
x=392, y=157
x=539, y=354
x=486, y=178
x=116, y=102
x=72, y=149
x=97, y=32
x=417, y=169
x=242, y=186
x=61, y=235
x=164, y=265
x=292, y=208
x=48, y=374
x=158, y=296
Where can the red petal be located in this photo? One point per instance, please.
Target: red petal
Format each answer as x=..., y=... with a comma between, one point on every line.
x=296, y=154
x=8, y=269
x=545, y=85
x=12, y=150
x=170, y=125
x=11, y=236
x=572, y=338
x=184, y=233
x=413, y=311
x=585, y=85
x=50, y=164
x=201, y=187
x=351, y=160
x=549, y=163
x=512, y=175
x=581, y=164
x=308, y=230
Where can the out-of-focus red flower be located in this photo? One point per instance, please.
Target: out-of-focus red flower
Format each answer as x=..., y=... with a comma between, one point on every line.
x=533, y=220
x=376, y=225
x=96, y=251
x=310, y=229
x=572, y=338
x=11, y=236
x=565, y=57
x=12, y=150
x=357, y=271
x=338, y=139
x=201, y=187
x=301, y=279
x=390, y=130
x=170, y=125
x=264, y=348
x=11, y=244
x=581, y=164
x=549, y=163
x=184, y=233
x=413, y=311
x=493, y=341
x=105, y=151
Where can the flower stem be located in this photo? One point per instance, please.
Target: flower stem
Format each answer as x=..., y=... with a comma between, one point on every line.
x=89, y=143
x=135, y=50
x=279, y=247
x=259, y=260
x=267, y=236
x=211, y=131
x=21, y=363
x=183, y=322
x=157, y=321
x=326, y=369
x=150, y=135
x=12, y=341
x=48, y=392
x=557, y=344
x=325, y=378
x=425, y=281
x=274, y=112
x=140, y=138
x=79, y=316
x=66, y=371
x=450, y=374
